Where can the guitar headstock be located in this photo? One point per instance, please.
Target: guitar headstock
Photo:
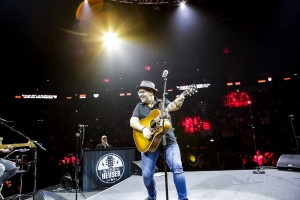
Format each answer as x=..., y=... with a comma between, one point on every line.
x=30, y=144
x=191, y=89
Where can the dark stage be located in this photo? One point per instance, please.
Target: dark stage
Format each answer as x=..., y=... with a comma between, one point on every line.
x=212, y=185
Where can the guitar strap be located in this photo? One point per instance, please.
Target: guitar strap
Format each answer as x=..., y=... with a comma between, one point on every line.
x=157, y=104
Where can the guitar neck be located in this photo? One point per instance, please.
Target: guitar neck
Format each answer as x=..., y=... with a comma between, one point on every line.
x=4, y=146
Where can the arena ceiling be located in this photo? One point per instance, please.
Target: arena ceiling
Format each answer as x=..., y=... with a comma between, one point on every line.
x=51, y=45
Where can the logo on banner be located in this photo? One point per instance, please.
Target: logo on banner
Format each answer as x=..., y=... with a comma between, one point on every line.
x=110, y=168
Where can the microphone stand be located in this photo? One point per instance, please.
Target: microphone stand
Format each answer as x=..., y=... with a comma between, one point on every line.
x=34, y=152
x=296, y=137
x=21, y=171
x=35, y=165
x=78, y=135
x=164, y=136
x=76, y=172
x=253, y=134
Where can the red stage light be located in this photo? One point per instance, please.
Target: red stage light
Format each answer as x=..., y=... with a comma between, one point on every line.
x=106, y=80
x=195, y=124
x=147, y=68
x=237, y=99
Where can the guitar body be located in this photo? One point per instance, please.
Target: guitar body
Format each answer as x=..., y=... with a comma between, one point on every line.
x=158, y=129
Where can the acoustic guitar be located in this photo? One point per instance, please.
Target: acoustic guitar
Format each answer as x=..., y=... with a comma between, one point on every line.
x=158, y=126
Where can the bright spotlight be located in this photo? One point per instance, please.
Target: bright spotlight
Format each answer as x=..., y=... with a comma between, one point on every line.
x=96, y=95
x=110, y=40
x=181, y=3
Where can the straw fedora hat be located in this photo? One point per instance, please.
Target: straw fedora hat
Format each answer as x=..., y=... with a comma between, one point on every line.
x=147, y=85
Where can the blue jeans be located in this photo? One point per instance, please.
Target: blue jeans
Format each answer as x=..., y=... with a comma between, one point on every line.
x=173, y=159
x=7, y=170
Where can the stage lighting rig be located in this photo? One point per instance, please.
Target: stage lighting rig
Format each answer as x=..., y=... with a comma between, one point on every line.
x=151, y=2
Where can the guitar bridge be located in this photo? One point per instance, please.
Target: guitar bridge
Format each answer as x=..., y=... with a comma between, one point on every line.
x=154, y=130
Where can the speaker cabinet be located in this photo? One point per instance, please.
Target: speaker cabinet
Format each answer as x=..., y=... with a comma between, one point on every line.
x=47, y=195
x=289, y=162
x=137, y=167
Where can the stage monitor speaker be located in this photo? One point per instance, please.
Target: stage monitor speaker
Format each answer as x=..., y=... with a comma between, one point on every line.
x=137, y=167
x=289, y=162
x=47, y=195
x=67, y=182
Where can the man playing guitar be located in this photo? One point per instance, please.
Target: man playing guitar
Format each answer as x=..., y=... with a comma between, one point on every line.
x=147, y=128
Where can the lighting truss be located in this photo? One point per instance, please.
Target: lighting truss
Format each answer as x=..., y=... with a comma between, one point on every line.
x=148, y=2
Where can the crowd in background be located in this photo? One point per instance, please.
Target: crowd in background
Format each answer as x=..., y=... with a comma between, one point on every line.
x=54, y=123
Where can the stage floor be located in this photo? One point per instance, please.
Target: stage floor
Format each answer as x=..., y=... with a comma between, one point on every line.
x=274, y=184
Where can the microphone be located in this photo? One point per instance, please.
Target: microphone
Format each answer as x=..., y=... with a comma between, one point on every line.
x=82, y=125
x=165, y=73
x=22, y=150
x=291, y=117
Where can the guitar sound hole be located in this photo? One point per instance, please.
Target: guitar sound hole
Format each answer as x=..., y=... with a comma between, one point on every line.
x=153, y=124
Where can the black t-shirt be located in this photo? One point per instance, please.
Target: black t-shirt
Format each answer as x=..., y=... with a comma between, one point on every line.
x=101, y=146
x=141, y=111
